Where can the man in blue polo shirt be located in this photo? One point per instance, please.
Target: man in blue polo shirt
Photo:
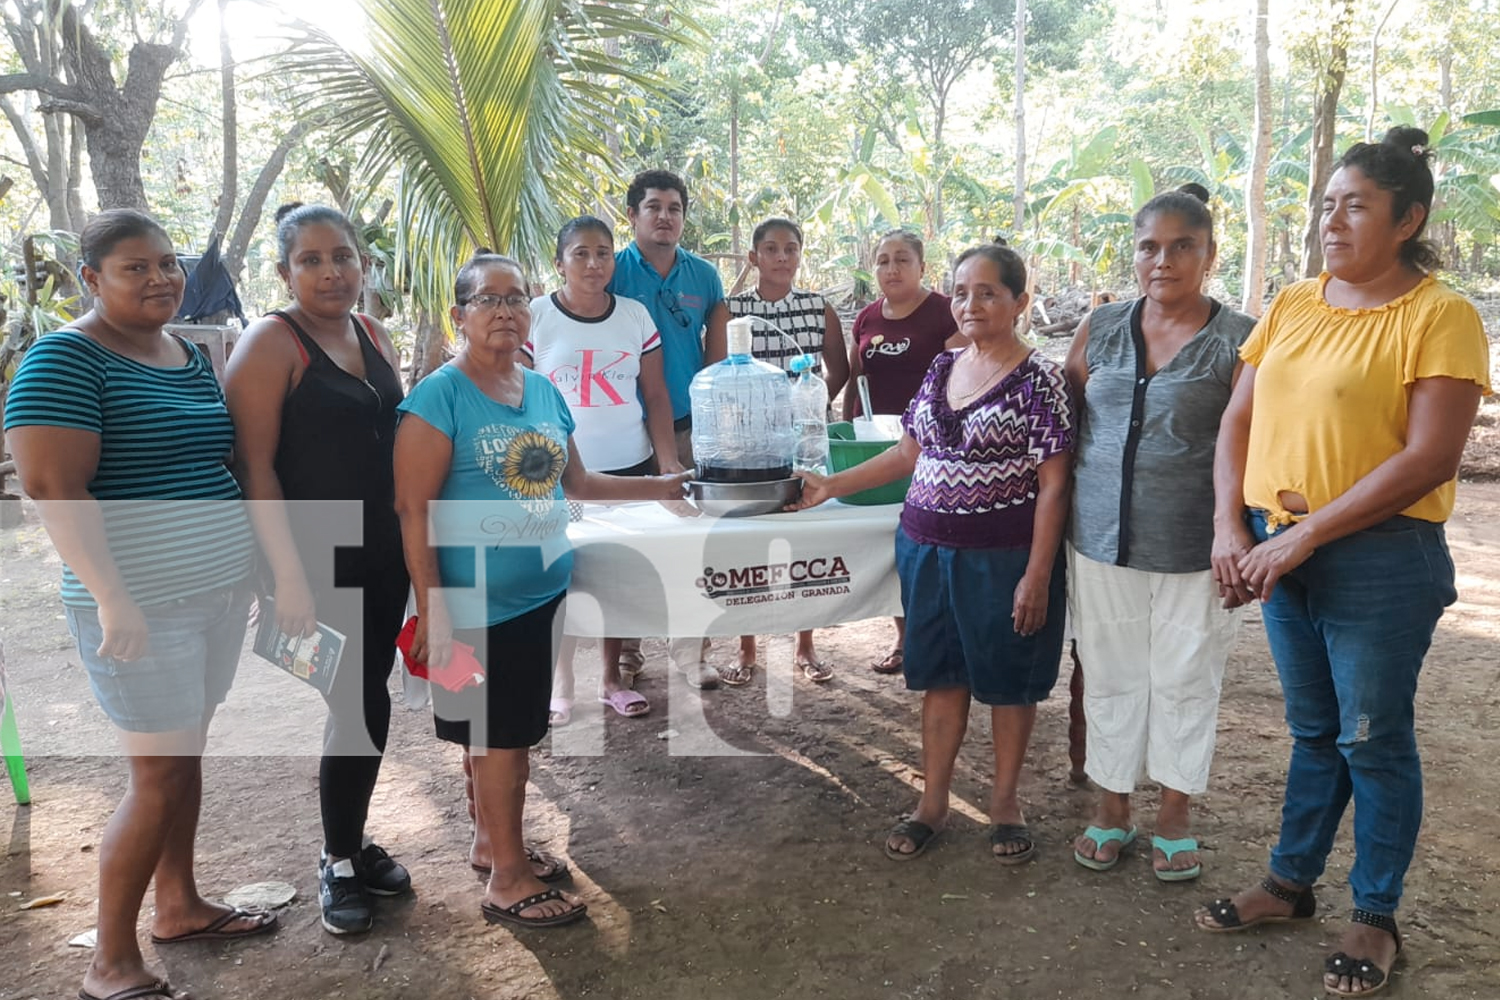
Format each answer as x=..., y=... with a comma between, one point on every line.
x=685, y=297
x=681, y=290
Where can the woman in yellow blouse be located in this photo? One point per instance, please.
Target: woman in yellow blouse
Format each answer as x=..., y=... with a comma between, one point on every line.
x=1335, y=471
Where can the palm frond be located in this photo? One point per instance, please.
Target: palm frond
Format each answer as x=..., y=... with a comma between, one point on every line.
x=496, y=114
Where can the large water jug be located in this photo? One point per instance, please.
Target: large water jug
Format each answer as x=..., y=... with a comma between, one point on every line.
x=809, y=417
x=742, y=416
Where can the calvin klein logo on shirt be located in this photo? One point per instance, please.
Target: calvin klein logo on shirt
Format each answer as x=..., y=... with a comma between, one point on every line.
x=590, y=379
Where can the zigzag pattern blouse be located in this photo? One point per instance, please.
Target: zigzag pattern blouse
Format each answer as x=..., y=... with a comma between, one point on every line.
x=975, y=484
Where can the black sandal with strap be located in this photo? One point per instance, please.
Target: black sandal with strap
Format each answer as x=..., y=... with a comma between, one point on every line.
x=1343, y=966
x=1226, y=916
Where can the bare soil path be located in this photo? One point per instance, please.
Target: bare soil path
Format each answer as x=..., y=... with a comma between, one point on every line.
x=758, y=875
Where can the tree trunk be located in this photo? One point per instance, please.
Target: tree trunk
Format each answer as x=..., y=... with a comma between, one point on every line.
x=1075, y=236
x=34, y=39
x=1257, y=243
x=255, y=201
x=1018, y=208
x=229, y=190
x=734, y=165
x=1330, y=84
x=430, y=347
x=1445, y=78
x=936, y=212
x=115, y=118
x=1375, y=72
x=75, y=178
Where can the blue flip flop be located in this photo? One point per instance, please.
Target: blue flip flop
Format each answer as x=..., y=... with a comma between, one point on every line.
x=1171, y=848
x=1101, y=837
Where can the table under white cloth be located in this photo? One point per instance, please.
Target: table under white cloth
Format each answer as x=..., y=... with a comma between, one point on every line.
x=639, y=569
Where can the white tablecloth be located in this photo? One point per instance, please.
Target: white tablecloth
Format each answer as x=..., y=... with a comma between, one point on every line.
x=640, y=570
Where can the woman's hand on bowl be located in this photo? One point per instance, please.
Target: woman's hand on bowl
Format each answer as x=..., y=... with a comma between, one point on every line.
x=675, y=499
x=814, y=490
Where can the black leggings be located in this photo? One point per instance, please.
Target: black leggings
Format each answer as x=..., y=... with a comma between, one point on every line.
x=359, y=705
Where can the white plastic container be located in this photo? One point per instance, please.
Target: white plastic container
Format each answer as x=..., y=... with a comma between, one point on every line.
x=809, y=417
x=881, y=427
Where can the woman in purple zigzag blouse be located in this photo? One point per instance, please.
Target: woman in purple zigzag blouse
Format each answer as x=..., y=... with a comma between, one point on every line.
x=988, y=442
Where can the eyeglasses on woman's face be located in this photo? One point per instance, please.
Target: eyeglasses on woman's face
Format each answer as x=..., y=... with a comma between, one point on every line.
x=485, y=303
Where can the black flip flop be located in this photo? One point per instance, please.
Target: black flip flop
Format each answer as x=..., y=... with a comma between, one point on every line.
x=919, y=833
x=216, y=932
x=1012, y=833
x=159, y=988
x=512, y=914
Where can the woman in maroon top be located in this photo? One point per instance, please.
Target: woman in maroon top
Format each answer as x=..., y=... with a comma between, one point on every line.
x=895, y=339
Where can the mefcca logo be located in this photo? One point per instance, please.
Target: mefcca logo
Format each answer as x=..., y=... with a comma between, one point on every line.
x=818, y=573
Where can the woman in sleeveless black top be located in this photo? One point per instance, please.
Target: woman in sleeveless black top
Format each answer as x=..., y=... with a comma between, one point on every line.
x=313, y=391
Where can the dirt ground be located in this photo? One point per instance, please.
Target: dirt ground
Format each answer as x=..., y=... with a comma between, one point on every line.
x=761, y=874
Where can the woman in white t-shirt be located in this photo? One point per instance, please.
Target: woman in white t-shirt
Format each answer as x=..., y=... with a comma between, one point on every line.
x=603, y=353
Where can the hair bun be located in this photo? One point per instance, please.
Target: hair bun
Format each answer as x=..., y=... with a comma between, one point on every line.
x=1196, y=190
x=1405, y=137
x=283, y=211
x=483, y=252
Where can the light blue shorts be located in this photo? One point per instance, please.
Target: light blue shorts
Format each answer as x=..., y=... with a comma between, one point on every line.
x=190, y=662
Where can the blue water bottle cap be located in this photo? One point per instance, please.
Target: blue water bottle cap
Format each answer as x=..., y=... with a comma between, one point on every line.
x=801, y=363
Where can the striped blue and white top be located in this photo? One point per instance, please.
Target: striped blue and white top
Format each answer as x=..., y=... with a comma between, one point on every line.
x=173, y=515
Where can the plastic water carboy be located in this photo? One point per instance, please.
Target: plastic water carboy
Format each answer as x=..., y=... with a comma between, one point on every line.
x=742, y=416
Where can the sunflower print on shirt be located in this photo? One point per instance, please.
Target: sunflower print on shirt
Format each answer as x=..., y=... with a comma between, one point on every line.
x=525, y=463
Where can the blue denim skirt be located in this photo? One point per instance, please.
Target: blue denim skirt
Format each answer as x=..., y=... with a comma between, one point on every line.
x=192, y=655
x=959, y=631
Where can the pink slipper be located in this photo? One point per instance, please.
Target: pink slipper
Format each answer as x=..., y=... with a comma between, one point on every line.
x=560, y=711
x=627, y=704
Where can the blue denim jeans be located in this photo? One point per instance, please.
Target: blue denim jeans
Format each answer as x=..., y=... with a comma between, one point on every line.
x=1348, y=630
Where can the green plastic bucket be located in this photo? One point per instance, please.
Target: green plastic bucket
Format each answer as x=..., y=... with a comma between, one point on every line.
x=844, y=453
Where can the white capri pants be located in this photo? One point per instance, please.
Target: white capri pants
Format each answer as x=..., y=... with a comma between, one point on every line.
x=1153, y=648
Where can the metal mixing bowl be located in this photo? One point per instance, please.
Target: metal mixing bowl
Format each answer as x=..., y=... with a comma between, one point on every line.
x=744, y=499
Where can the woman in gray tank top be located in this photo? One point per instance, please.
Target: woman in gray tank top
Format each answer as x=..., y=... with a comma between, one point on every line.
x=1152, y=377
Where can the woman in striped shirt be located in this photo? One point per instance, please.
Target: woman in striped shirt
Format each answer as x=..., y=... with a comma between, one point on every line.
x=121, y=436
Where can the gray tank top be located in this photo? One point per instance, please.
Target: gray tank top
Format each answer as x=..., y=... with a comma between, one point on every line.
x=1143, y=492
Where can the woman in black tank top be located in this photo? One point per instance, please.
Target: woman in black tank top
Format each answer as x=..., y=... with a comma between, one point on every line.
x=313, y=392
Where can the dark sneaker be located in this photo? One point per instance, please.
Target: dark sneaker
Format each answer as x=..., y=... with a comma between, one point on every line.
x=346, y=907
x=381, y=873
